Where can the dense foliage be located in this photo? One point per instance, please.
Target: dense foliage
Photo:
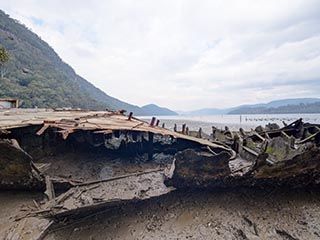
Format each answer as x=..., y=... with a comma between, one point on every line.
x=4, y=55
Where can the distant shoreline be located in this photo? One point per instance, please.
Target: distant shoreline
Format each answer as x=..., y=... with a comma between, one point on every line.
x=234, y=122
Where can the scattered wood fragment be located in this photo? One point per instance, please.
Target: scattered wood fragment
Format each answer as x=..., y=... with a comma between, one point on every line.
x=284, y=234
x=120, y=177
x=49, y=189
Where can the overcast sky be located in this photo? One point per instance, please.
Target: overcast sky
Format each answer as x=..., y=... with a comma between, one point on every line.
x=184, y=54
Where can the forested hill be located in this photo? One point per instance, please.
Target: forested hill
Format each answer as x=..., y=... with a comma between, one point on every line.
x=291, y=108
x=37, y=76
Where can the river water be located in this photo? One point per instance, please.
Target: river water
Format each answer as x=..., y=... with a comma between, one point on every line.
x=234, y=122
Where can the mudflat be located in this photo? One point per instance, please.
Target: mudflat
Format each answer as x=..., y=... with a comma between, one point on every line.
x=218, y=214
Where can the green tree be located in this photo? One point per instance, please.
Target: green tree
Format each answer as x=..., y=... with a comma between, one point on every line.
x=4, y=57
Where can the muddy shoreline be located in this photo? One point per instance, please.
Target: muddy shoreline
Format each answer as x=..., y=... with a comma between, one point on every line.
x=242, y=213
x=105, y=175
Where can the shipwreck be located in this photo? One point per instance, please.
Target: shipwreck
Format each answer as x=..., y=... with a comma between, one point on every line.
x=85, y=161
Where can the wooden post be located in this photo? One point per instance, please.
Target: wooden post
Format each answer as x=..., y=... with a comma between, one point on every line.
x=284, y=123
x=184, y=128
x=199, y=135
x=158, y=121
x=214, y=129
x=163, y=125
x=187, y=130
x=236, y=143
x=175, y=127
x=150, y=149
x=130, y=116
x=243, y=134
x=152, y=121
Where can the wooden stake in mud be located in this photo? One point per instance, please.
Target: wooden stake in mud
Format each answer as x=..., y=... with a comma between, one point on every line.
x=184, y=128
x=199, y=135
x=130, y=116
x=214, y=130
x=152, y=121
x=150, y=148
x=236, y=143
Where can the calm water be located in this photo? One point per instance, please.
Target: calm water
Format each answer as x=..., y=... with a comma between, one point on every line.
x=234, y=122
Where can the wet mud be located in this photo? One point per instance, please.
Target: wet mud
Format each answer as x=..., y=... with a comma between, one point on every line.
x=219, y=214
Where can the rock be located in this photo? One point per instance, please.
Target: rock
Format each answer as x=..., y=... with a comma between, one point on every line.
x=272, y=126
x=26, y=70
x=15, y=165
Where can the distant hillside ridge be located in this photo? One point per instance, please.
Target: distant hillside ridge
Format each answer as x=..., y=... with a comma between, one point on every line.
x=204, y=111
x=284, y=102
x=153, y=109
x=38, y=77
x=298, y=108
x=277, y=106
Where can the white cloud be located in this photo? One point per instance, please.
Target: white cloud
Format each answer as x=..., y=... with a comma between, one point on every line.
x=184, y=54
